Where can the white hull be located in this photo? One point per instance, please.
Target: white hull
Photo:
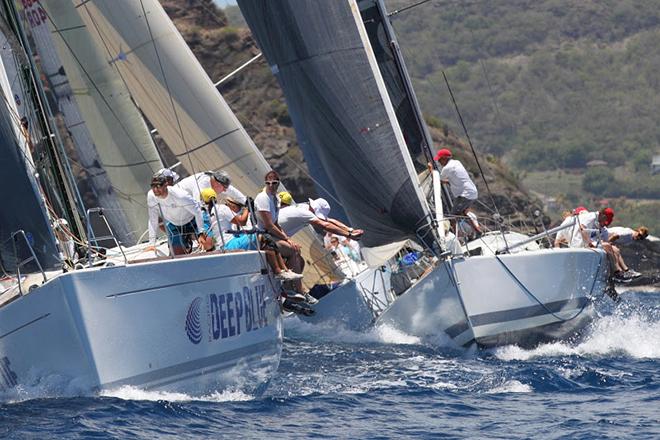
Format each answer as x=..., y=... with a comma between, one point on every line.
x=522, y=298
x=194, y=325
x=355, y=305
x=519, y=299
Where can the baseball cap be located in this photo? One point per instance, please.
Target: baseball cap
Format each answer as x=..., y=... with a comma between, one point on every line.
x=234, y=200
x=207, y=194
x=442, y=153
x=609, y=215
x=321, y=208
x=168, y=174
x=221, y=177
x=285, y=197
x=579, y=209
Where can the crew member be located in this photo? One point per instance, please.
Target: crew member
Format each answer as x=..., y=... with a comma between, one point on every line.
x=267, y=207
x=463, y=189
x=293, y=218
x=217, y=180
x=181, y=213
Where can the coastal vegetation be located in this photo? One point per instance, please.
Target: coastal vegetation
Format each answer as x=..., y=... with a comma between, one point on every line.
x=547, y=86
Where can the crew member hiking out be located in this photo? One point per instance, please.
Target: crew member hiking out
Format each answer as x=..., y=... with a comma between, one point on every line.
x=220, y=219
x=293, y=218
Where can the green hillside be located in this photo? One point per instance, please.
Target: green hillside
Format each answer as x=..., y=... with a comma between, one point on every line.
x=547, y=85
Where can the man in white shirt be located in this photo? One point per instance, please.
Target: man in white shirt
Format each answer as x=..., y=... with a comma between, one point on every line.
x=463, y=189
x=217, y=180
x=293, y=218
x=594, y=230
x=181, y=213
x=622, y=235
x=267, y=208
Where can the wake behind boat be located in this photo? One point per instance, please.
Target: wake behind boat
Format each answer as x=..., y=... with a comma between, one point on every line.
x=360, y=126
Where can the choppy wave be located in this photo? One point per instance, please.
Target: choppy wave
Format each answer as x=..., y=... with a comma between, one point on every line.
x=132, y=393
x=632, y=331
x=334, y=382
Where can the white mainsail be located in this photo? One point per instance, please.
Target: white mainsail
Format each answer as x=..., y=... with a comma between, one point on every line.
x=179, y=99
x=112, y=139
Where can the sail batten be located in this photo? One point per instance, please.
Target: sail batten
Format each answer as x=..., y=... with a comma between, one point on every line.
x=323, y=60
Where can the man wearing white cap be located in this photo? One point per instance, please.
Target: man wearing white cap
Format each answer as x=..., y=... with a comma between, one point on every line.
x=295, y=217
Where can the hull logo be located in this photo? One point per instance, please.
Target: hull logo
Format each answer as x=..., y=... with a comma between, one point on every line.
x=193, y=323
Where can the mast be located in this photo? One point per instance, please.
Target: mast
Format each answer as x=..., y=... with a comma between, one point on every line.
x=405, y=77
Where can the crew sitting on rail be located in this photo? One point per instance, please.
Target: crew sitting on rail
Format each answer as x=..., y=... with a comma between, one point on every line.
x=622, y=235
x=219, y=219
x=593, y=232
x=180, y=212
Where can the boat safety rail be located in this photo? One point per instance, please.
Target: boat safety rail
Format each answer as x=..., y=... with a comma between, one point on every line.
x=375, y=303
x=487, y=224
x=335, y=272
x=544, y=234
x=92, y=237
x=33, y=257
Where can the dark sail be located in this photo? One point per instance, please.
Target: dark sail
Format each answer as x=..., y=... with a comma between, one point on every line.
x=22, y=206
x=392, y=69
x=320, y=53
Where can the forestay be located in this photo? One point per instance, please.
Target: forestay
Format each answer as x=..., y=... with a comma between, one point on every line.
x=179, y=99
x=321, y=55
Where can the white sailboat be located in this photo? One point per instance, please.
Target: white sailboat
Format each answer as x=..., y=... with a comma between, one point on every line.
x=353, y=107
x=195, y=324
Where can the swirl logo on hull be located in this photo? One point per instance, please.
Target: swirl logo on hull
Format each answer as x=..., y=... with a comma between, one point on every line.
x=193, y=323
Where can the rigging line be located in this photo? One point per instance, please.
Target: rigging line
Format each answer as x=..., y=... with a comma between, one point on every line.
x=238, y=69
x=167, y=86
x=94, y=85
x=467, y=135
x=482, y=55
x=15, y=36
x=405, y=8
x=296, y=164
x=121, y=75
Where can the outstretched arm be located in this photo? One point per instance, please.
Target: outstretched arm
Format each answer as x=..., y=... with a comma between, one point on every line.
x=336, y=227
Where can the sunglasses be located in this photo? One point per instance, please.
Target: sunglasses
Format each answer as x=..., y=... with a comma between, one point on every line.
x=272, y=182
x=157, y=185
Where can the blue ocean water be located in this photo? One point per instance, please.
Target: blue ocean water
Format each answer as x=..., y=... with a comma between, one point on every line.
x=384, y=384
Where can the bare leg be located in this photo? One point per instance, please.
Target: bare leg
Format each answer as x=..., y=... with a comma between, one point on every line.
x=617, y=255
x=273, y=262
x=294, y=260
x=607, y=247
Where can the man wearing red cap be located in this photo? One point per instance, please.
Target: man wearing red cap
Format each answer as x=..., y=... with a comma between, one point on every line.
x=463, y=189
x=593, y=226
